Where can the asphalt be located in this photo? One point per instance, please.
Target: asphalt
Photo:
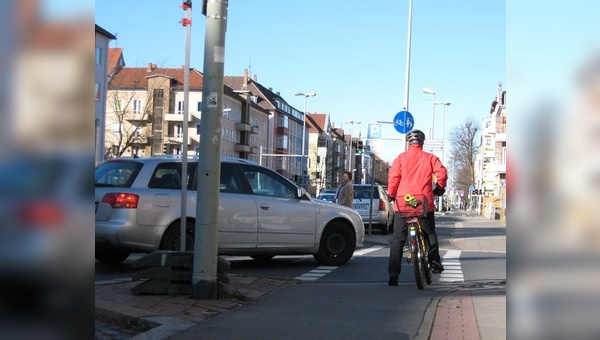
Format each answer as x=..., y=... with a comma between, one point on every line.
x=469, y=311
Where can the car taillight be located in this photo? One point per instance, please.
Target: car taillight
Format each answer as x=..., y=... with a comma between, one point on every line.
x=121, y=200
x=334, y=201
x=381, y=205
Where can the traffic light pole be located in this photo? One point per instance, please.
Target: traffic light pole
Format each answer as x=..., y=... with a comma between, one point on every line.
x=204, y=273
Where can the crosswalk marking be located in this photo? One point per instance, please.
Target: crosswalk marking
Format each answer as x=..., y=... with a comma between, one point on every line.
x=321, y=271
x=452, y=268
x=451, y=261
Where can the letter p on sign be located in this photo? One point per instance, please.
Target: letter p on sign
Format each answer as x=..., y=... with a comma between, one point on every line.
x=374, y=131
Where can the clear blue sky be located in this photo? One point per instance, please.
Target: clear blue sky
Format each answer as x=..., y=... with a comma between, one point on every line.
x=351, y=53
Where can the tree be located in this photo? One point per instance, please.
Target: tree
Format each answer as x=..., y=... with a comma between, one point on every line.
x=128, y=116
x=464, y=148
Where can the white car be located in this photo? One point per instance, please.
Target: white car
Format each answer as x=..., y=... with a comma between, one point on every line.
x=261, y=213
x=382, y=211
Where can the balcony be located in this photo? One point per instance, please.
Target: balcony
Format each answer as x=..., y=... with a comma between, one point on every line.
x=174, y=117
x=242, y=148
x=492, y=168
x=137, y=117
x=243, y=127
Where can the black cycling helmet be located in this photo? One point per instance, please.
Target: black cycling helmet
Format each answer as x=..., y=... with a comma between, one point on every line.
x=415, y=136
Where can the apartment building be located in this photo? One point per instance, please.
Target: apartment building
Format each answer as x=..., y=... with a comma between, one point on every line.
x=145, y=114
x=319, y=128
x=491, y=160
x=285, y=128
x=103, y=38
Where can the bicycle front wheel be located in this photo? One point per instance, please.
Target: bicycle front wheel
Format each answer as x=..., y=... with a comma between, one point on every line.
x=417, y=259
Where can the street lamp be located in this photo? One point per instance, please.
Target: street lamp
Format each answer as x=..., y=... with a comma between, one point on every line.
x=443, y=124
x=432, y=92
x=309, y=94
x=351, y=122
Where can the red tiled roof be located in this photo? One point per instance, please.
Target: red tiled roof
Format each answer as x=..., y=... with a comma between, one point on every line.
x=319, y=120
x=114, y=56
x=137, y=77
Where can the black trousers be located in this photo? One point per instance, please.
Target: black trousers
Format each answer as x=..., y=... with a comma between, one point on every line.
x=399, y=238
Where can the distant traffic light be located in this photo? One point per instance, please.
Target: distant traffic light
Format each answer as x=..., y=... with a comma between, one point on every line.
x=360, y=148
x=165, y=149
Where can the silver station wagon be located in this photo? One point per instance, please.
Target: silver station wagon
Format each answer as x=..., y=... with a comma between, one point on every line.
x=261, y=213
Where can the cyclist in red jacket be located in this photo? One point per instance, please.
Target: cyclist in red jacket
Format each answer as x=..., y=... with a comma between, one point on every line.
x=411, y=173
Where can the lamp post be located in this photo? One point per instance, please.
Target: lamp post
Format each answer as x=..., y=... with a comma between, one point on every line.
x=351, y=122
x=443, y=125
x=432, y=92
x=309, y=94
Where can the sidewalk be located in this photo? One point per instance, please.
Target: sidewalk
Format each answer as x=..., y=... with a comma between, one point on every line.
x=467, y=312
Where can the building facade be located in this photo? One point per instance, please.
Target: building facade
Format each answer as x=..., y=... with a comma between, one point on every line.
x=283, y=148
x=103, y=38
x=145, y=115
x=491, y=160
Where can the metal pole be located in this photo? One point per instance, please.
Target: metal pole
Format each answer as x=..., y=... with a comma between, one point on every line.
x=204, y=275
x=406, y=84
x=303, y=140
x=371, y=197
x=432, y=118
x=408, y=44
x=444, y=133
x=184, y=145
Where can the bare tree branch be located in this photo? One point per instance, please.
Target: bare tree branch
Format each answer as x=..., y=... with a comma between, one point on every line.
x=464, y=148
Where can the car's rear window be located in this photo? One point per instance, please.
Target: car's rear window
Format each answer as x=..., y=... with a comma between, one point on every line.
x=365, y=192
x=117, y=173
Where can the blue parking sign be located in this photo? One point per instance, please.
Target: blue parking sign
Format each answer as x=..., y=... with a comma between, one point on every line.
x=374, y=131
x=403, y=122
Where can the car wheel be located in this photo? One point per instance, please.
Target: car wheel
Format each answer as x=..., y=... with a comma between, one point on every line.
x=170, y=240
x=111, y=255
x=337, y=245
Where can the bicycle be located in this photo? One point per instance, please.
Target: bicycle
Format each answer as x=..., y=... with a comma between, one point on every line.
x=417, y=242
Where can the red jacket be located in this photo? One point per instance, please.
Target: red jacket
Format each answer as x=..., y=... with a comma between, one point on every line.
x=411, y=174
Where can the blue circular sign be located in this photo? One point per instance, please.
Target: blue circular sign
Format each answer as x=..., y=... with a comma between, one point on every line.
x=403, y=122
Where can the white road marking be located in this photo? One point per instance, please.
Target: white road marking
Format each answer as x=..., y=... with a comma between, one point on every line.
x=452, y=268
x=321, y=271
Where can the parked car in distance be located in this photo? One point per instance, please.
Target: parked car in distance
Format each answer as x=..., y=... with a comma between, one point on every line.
x=382, y=215
x=326, y=196
x=261, y=213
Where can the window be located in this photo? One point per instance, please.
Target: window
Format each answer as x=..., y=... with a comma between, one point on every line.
x=230, y=181
x=180, y=107
x=158, y=97
x=117, y=174
x=199, y=106
x=178, y=130
x=265, y=182
x=282, y=142
x=98, y=55
x=198, y=129
x=137, y=106
x=97, y=91
x=282, y=121
x=118, y=105
x=117, y=127
x=168, y=176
